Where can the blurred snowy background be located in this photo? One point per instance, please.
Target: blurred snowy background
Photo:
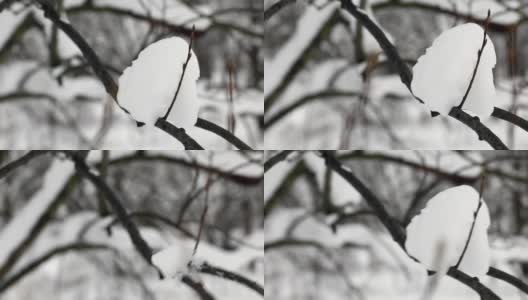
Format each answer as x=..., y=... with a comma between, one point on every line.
x=44, y=207
x=328, y=87
x=49, y=97
x=303, y=200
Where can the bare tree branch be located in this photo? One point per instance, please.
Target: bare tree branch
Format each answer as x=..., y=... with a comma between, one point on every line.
x=405, y=73
x=276, y=7
x=110, y=85
x=272, y=161
x=395, y=229
x=4, y=170
x=229, y=275
x=34, y=264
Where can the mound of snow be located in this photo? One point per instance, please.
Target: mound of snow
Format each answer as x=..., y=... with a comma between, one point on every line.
x=147, y=87
x=442, y=75
x=173, y=261
x=436, y=237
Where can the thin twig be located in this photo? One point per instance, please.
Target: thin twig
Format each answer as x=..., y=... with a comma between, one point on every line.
x=226, y=274
x=475, y=215
x=510, y=117
x=272, y=161
x=32, y=265
x=225, y=134
x=405, y=73
x=111, y=86
x=179, y=133
x=479, y=55
x=184, y=68
x=394, y=228
x=4, y=170
x=276, y=7
x=204, y=214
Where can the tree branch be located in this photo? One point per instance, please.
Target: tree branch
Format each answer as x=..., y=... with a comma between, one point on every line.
x=138, y=241
x=276, y=7
x=118, y=208
x=475, y=215
x=395, y=229
x=184, y=68
x=510, y=117
x=225, y=134
x=178, y=133
x=483, y=132
x=479, y=56
x=4, y=170
x=229, y=275
x=272, y=161
x=31, y=266
x=405, y=73
x=104, y=76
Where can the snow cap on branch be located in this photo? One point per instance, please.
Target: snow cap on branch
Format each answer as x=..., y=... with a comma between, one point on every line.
x=147, y=87
x=437, y=236
x=174, y=260
x=442, y=75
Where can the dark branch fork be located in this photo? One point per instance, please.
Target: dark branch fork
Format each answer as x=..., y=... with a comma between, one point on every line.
x=483, y=132
x=139, y=243
x=111, y=86
x=399, y=235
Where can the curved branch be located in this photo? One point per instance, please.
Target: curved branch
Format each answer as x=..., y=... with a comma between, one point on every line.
x=483, y=132
x=277, y=244
x=305, y=100
x=405, y=73
x=178, y=133
x=225, y=174
x=4, y=170
x=108, y=82
x=272, y=161
x=198, y=288
x=226, y=135
x=394, y=228
x=229, y=275
x=118, y=208
x=276, y=7
x=137, y=240
x=494, y=272
x=31, y=266
x=510, y=117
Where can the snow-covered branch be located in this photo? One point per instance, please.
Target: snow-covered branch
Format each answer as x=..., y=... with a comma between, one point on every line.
x=22, y=231
x=406, y=75
x=207, y=268
x=111, y=86
x=399, y=235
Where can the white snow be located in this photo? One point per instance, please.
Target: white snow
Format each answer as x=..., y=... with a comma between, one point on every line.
x=17, y=230
x=437, y=236
x=442, y=75
x=147, y=87
x=173, y=261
